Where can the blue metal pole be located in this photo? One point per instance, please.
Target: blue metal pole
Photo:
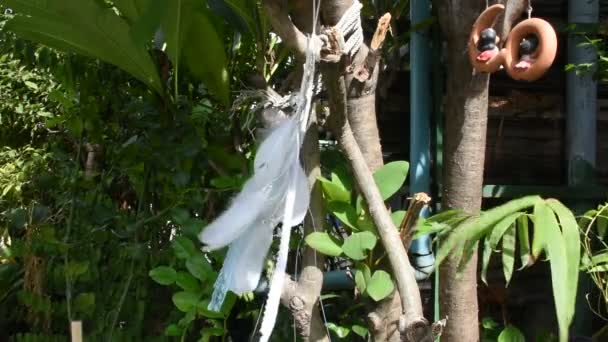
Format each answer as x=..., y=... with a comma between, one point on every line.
x=420, y=122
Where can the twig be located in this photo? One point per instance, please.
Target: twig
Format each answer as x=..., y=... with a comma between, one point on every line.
x=364, y=72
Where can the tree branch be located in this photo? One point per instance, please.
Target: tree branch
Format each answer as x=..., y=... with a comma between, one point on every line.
x=397, y=255
x=285, y=28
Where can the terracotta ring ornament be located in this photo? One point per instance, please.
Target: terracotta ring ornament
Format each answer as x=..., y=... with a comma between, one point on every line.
x=485, y=20
x=543, y=56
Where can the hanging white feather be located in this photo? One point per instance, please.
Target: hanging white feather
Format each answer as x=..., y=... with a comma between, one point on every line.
x=243, y=262
x=277, y=192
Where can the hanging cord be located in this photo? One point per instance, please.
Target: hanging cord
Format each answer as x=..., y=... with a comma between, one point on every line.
x=529, y=9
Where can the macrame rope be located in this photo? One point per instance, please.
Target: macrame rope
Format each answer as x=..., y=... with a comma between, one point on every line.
x=350, y=28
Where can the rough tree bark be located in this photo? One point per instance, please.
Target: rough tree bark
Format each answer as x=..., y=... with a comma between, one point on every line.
x=465, y=108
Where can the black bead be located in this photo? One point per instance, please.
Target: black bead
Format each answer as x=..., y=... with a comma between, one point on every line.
x=487, y=40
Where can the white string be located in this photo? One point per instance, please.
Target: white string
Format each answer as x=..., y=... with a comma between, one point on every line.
x=529, y=9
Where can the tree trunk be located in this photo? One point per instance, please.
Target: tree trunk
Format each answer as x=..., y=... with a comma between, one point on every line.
x=466, y=112
x=466, y=109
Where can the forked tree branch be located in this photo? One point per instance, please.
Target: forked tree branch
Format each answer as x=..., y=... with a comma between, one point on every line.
x=397, y=255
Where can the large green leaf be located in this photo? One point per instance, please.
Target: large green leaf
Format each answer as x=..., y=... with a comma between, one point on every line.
x=474, y=229
x=357, y=245
x=554, y=244
x=345, y=213
x=380, y=285
x=390, y=177
x=87, y=28
x=191, y=37
x=323, y=243
x=185, y=301
x=334, y=191
x=571, y=238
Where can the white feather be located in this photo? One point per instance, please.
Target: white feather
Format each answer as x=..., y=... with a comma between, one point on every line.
x=246, y=207
x=302, y=200
x=276, y=151
x=243, y=263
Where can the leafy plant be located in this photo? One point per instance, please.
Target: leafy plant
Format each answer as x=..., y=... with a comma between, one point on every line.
x=555, y=235
x=360, y=239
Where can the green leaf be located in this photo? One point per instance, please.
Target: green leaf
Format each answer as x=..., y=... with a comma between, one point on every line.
x=163, y=275
x=185, y=301
x=524, y=241
x=183, y=247
x=199, y=267
x=180, y=215
x=380, y=285
x=187, y=282
x=362, y=275
x=602, y=222
x=501, y=228
x=545, y=223
x=236, y=14
x=485, y=259
x=474, y=229
x=571, y=238
x=345, y=213
x=77, y=268
x=334, y=192
x=204, y=54
x=541, y=212
x=173, y=330
x=511, y=334
x=87, y=28
x=85, y=303
x=341, y=177
x=357, y=245
x=323, y=243
x=359, y=330
x=398, y=217
x=202, y=309
x=508, y=253
x=341, y=332
x=390, y=177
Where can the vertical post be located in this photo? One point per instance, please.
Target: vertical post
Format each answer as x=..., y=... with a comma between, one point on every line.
x=420, y=121
x=76, y=331
x=581, y=119
x=581, y=131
